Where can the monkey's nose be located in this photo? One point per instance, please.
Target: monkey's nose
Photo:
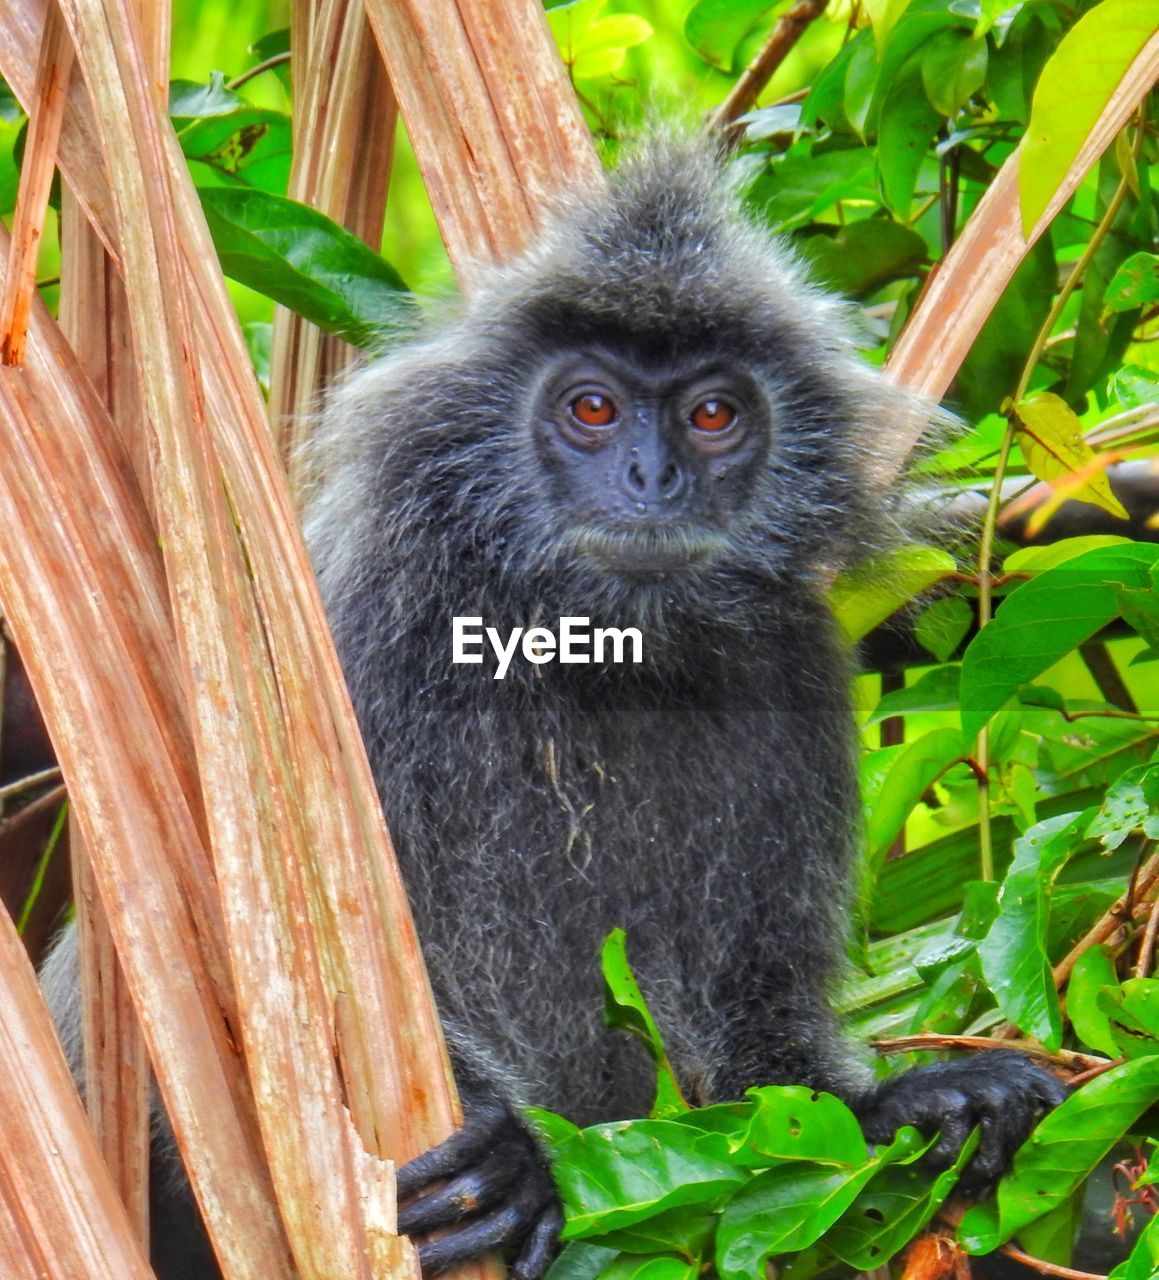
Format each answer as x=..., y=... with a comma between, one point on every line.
x=653, y=479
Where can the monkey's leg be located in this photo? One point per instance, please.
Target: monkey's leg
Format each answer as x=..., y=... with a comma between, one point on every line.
x=1002, y=1093
x=496, y=1193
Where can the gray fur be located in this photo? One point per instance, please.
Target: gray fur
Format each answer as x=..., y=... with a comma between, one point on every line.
x=705, y=801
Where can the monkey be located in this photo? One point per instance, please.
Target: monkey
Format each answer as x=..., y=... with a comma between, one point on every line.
x=650, y=420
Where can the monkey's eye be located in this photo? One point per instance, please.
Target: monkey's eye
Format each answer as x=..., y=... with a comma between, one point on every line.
x=594, y=409
x=712, y=415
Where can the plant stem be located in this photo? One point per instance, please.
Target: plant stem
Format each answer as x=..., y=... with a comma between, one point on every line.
x=990, y=522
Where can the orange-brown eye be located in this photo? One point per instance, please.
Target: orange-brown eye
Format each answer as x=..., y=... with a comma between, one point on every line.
x=593, y=409
x=712, y=415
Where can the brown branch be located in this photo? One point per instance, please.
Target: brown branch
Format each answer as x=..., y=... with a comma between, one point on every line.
x=789, y=28
x=1112, y=919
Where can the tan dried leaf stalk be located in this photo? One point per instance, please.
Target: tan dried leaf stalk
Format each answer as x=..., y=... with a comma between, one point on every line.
x=101, y=659
x=60, y=1218
x=494, y=122
x=344, y=125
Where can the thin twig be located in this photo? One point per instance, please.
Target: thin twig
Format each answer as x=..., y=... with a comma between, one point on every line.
x=1048, y=1268
x=1085, y=1077
x=275, y=60
x=29, y=783
x=1147, y=946
x=1066, y=1058
x=788, y=30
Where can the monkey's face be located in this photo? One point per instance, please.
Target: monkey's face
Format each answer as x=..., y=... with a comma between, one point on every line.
x=648, y=468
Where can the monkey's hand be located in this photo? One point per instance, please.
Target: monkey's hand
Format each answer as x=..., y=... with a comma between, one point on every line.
x=1000, y=1092
x=496, y=1193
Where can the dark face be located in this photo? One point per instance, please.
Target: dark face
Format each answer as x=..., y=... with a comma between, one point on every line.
x=648, y=466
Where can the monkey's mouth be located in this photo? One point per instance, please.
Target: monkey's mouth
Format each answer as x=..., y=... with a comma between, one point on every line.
x=648, y=549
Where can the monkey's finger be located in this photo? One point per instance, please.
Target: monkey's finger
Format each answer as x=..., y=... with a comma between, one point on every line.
x=505, y=1226
x=955, y=1123
x=467, y=1194
x=461, y=1150
x=540, y=1246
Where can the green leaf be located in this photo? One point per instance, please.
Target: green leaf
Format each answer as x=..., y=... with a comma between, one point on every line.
x=625, y=1009
x=1062, y=1151
x=1140, y=611
x=791, y=1122
x=1052, y=1237
x=302, y=259
x=953, y=70
x=251, y=146
x=1133, y=1013
x=714, y=28
x=1134, y=284
x=1051, y=438
x=1038, y=559
x=594, y=46
x=905, y=127
x=553, y=1130
x=613, y=1176
x=934, y=690
x=1013, y=954
x=1134, y=386
x=860, y=257
x=916, y=768
x=1094, y=970
x=1075, y=85
x=800, y=186
x=192, y=100
x=1043, y=620
x=728, y=1118
x=581, y=1260
x=943, y=626
x=663, y=1267
x=679, y=1231
x=896, y=1205
x=884, y=15
x=863, y=597
x=1131, y=804
x=789, y=1207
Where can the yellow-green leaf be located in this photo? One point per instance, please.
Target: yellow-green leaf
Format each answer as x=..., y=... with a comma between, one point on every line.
x=1051, y=437
x=1076, y=84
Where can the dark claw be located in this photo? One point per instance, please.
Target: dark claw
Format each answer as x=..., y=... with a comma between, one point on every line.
x=1002, y=1093
x=496, y=1192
